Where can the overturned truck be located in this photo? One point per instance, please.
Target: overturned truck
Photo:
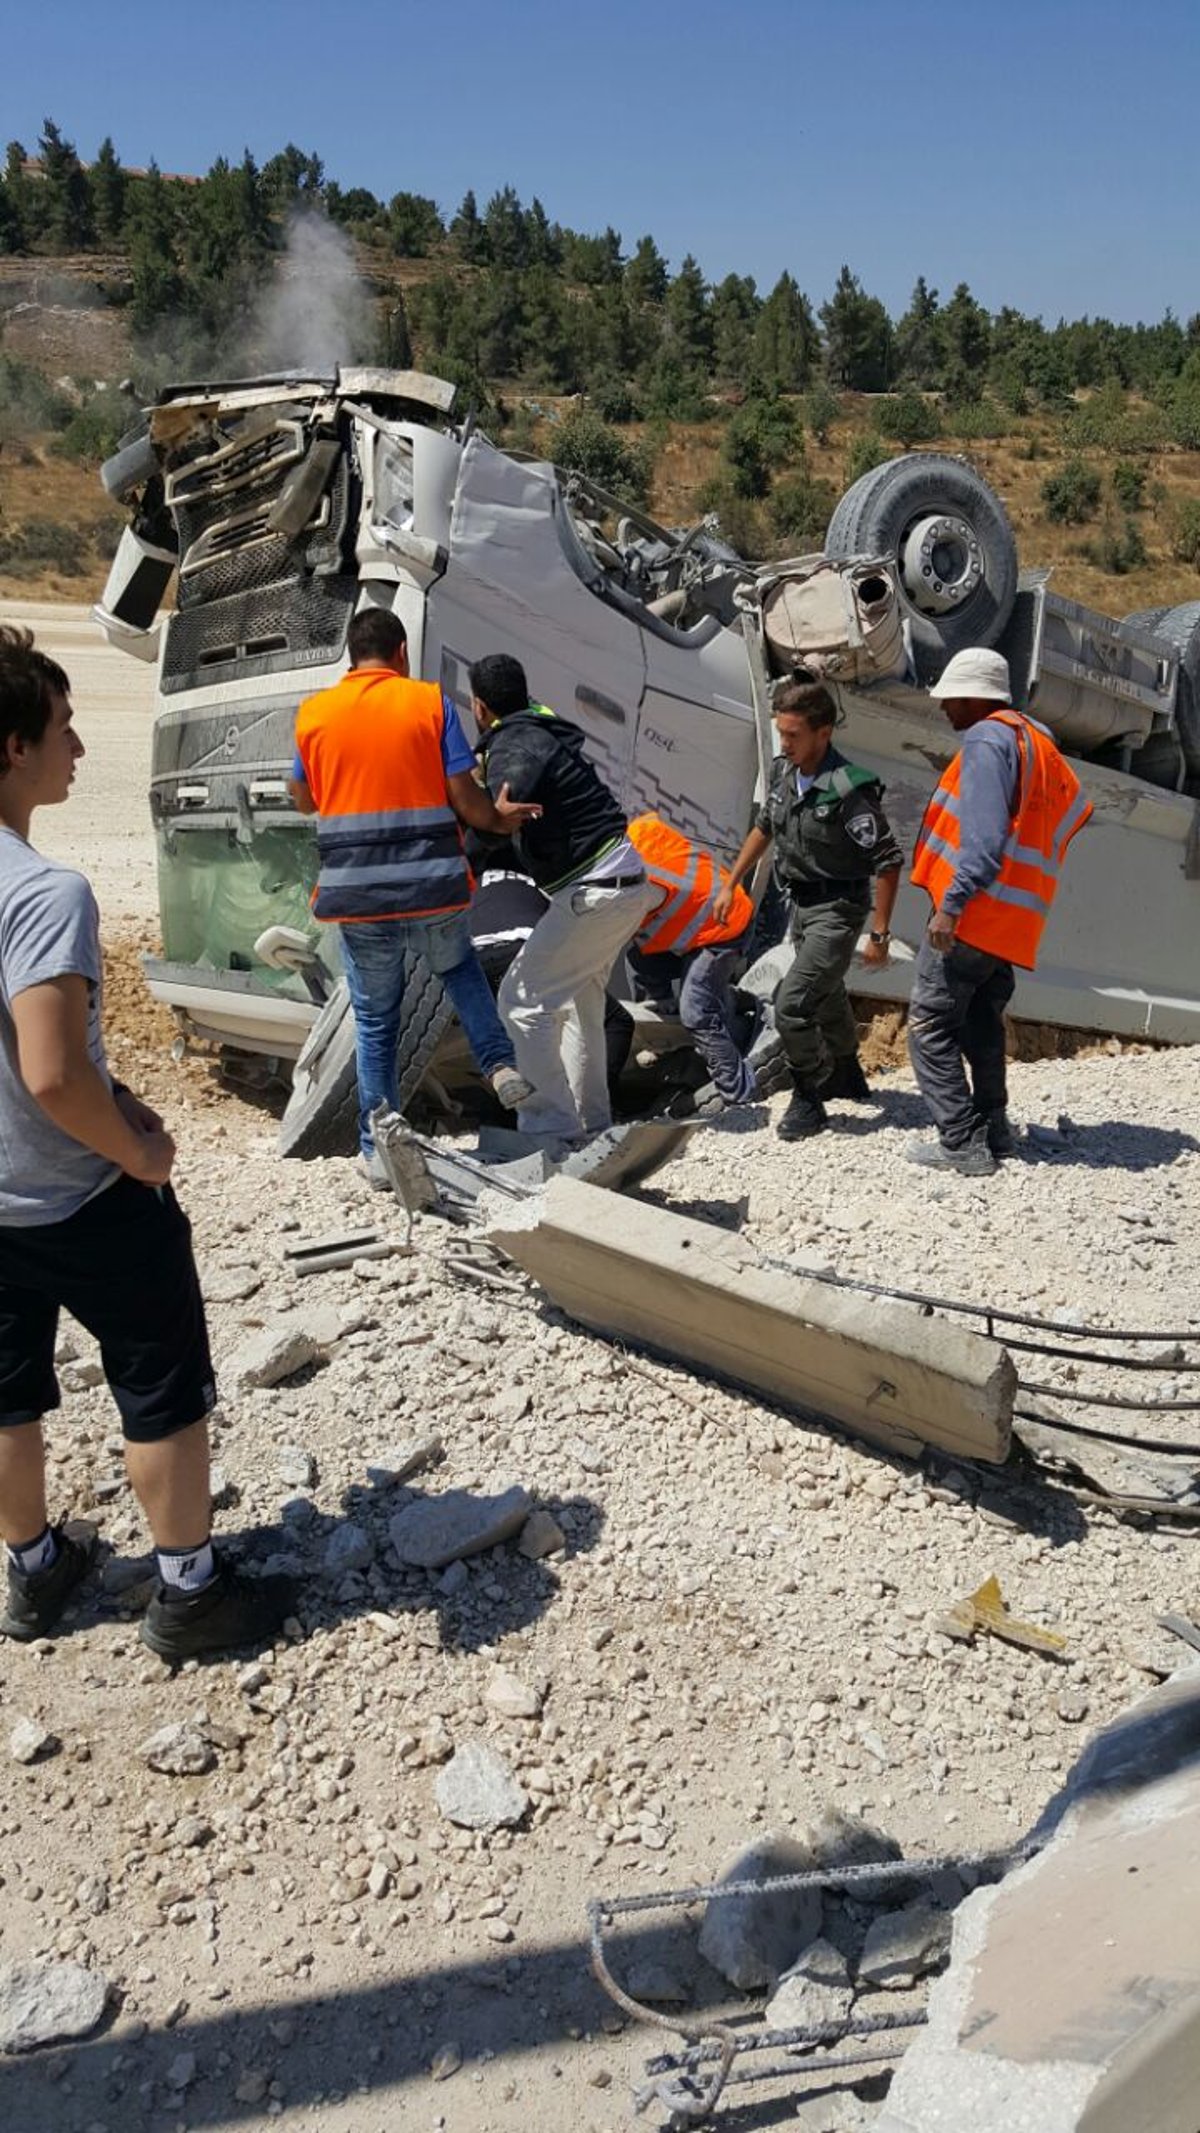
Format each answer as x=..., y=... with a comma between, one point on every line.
x=283, y=504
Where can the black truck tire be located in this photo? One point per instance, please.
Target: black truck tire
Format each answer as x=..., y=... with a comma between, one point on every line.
x=876, y=517
x=1180, y=628
x=322, y=1111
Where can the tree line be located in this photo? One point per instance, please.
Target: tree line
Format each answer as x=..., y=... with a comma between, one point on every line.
x=511, y=295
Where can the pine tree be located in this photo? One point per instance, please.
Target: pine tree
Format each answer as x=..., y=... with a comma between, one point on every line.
x=646, y=273
x=858, y=337
x=687, y=323
x=156, y=283
x=920, y=343
x=468, y=234
x=734, y=315
x=786, y=342
x=504, y=222
x=109, y=192
x=68, y=196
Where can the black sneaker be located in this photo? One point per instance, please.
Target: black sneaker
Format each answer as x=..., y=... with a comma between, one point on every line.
x=1001, y=1133
x=228, y=1614
x=36, y=1599
x=847, y=1079
x=805, y=1115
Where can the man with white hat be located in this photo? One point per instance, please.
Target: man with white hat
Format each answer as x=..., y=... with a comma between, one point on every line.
x=989, y=852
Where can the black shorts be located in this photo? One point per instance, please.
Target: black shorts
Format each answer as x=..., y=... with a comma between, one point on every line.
x=123, y=1267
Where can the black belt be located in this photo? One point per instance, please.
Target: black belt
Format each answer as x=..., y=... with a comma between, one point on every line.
x=819, y=891
x=610, y=881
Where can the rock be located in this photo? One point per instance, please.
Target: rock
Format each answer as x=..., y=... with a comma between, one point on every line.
x=30, y=1740
x=42, y=2003
x=751, y=1939
x=232, y=1285
x=477, y=1790
x=182, y=2072
x=816, y=1991
x=379, y=1880
x=125, y=1574
x=541, y=1535
x=401, y=1461
x=453, y=1580
x=446, y=2061
x=1073, y=1706
x=252, y=2086
x=902, y=1946
x=656, y=1985
x=180, y=1750
x=296, y=1468
x=442, y=1529
x=276, y=1352
x=348, y=1548
x=509, y=1697
x=80, y=1377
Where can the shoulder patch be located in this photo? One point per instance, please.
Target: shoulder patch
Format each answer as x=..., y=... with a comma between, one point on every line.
x=863, y=827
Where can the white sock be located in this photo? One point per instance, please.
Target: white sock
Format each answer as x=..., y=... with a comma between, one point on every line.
x=34, y=1555
x=187, y=1569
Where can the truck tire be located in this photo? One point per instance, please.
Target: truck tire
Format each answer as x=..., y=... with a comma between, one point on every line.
x=947, y=535
x=1180, y=628
x=322, y=1111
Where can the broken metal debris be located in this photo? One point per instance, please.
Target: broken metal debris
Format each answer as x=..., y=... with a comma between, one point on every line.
x=316, y=1255
x=987, y=1609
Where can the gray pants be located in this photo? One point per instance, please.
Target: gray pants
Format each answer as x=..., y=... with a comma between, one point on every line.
x=956, y=1014
x=706, y=1009
x=812, y=1009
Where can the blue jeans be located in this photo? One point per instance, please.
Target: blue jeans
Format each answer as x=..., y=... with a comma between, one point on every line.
x=375, y=953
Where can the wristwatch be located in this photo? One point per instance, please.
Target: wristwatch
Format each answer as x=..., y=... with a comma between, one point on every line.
x=878, y=940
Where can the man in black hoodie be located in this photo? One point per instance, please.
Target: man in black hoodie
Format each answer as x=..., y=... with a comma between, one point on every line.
x=577, y=852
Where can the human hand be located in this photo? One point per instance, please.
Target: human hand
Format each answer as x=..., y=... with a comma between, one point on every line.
x=942, y=932
x=875, y=954
x=515, y=812
x=153, y=1158
x=136, y=1113
x=723, y=903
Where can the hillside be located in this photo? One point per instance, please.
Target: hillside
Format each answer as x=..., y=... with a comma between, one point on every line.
x=66, y=321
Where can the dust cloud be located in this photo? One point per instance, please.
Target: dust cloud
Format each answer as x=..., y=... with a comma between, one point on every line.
x=317, y=312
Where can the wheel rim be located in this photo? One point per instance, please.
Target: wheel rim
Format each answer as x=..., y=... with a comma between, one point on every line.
x=941, y=563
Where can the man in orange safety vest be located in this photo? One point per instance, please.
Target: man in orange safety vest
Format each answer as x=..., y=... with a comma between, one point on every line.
x=684, y=931
x=988, y=851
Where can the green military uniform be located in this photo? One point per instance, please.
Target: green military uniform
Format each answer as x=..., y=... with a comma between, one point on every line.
x=829, y=841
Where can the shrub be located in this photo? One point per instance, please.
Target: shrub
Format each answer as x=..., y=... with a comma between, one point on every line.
x=1129, y=485
x=800, y=508
x=1072, y=496
x=584, y=444
x=821, y=410
x=761, y=435
x=28, y=402
x=1185, y=531
x=738, y=520
x=909, y=417
x=43, y=544
x=1118, y=548
x=982, y=418
x=868, y=450
x=94, y=430
x=613, y=399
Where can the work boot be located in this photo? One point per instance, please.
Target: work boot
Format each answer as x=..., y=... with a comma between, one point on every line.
x=973, y=1160
x=805, y=1115
x=373, y=1171
x=847, y=1079
x=230, y=1613
x=510, y=1088
x=36, y=1599
x=1002, y=1137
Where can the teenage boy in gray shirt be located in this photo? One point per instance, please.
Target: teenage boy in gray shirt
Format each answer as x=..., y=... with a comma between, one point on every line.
x=89, y=1224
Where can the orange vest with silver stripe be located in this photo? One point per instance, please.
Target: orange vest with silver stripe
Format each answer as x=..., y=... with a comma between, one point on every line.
x=689, y=878
x=388, y=839
x=1006, y=919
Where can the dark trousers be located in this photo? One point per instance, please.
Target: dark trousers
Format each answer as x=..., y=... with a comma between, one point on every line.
x=956, y=1021
x=813, y=1014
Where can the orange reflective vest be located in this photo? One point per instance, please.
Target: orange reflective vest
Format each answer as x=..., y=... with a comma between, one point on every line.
x=388, y=839
x=689, y=878
x=1006, y=919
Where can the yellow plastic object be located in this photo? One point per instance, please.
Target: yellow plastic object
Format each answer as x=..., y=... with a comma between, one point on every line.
x=986, y=1609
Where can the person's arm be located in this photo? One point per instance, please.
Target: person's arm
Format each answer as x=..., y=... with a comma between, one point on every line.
x=301, y=798
x=887, y=888
x=474, y=805
x=51, y=1024
x=987, y=792
x=756, y=845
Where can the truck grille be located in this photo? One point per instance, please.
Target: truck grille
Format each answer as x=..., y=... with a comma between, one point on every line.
x=298, y=623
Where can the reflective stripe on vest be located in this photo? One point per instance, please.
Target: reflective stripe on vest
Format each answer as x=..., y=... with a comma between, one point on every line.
x=1008, y=917
x=690, y=878
x=389, y=843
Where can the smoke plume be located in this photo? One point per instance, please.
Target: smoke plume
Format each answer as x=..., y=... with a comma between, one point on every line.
x=318, y=312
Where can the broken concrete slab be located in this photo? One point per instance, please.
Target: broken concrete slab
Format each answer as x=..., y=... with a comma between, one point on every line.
x=1072, y=2000
x=427, y=1176
x=276, y=1352
x=45, y=2003
x=700, y=1295
x=442, y=1529
x=902, y=1946
x=815, y=1993
x=477, y=1790
x=752, y=1939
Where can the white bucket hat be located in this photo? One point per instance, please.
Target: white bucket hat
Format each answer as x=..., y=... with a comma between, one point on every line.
x=974, y=672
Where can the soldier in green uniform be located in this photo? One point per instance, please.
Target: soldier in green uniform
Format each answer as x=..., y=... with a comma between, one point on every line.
x=832, y=840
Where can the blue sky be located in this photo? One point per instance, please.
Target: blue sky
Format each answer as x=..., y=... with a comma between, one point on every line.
x=1046, y=154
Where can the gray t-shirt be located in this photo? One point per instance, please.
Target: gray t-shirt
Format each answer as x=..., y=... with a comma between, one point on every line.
x=49, y=928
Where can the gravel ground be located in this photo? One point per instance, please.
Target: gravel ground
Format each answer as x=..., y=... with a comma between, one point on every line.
x=739, y=1631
